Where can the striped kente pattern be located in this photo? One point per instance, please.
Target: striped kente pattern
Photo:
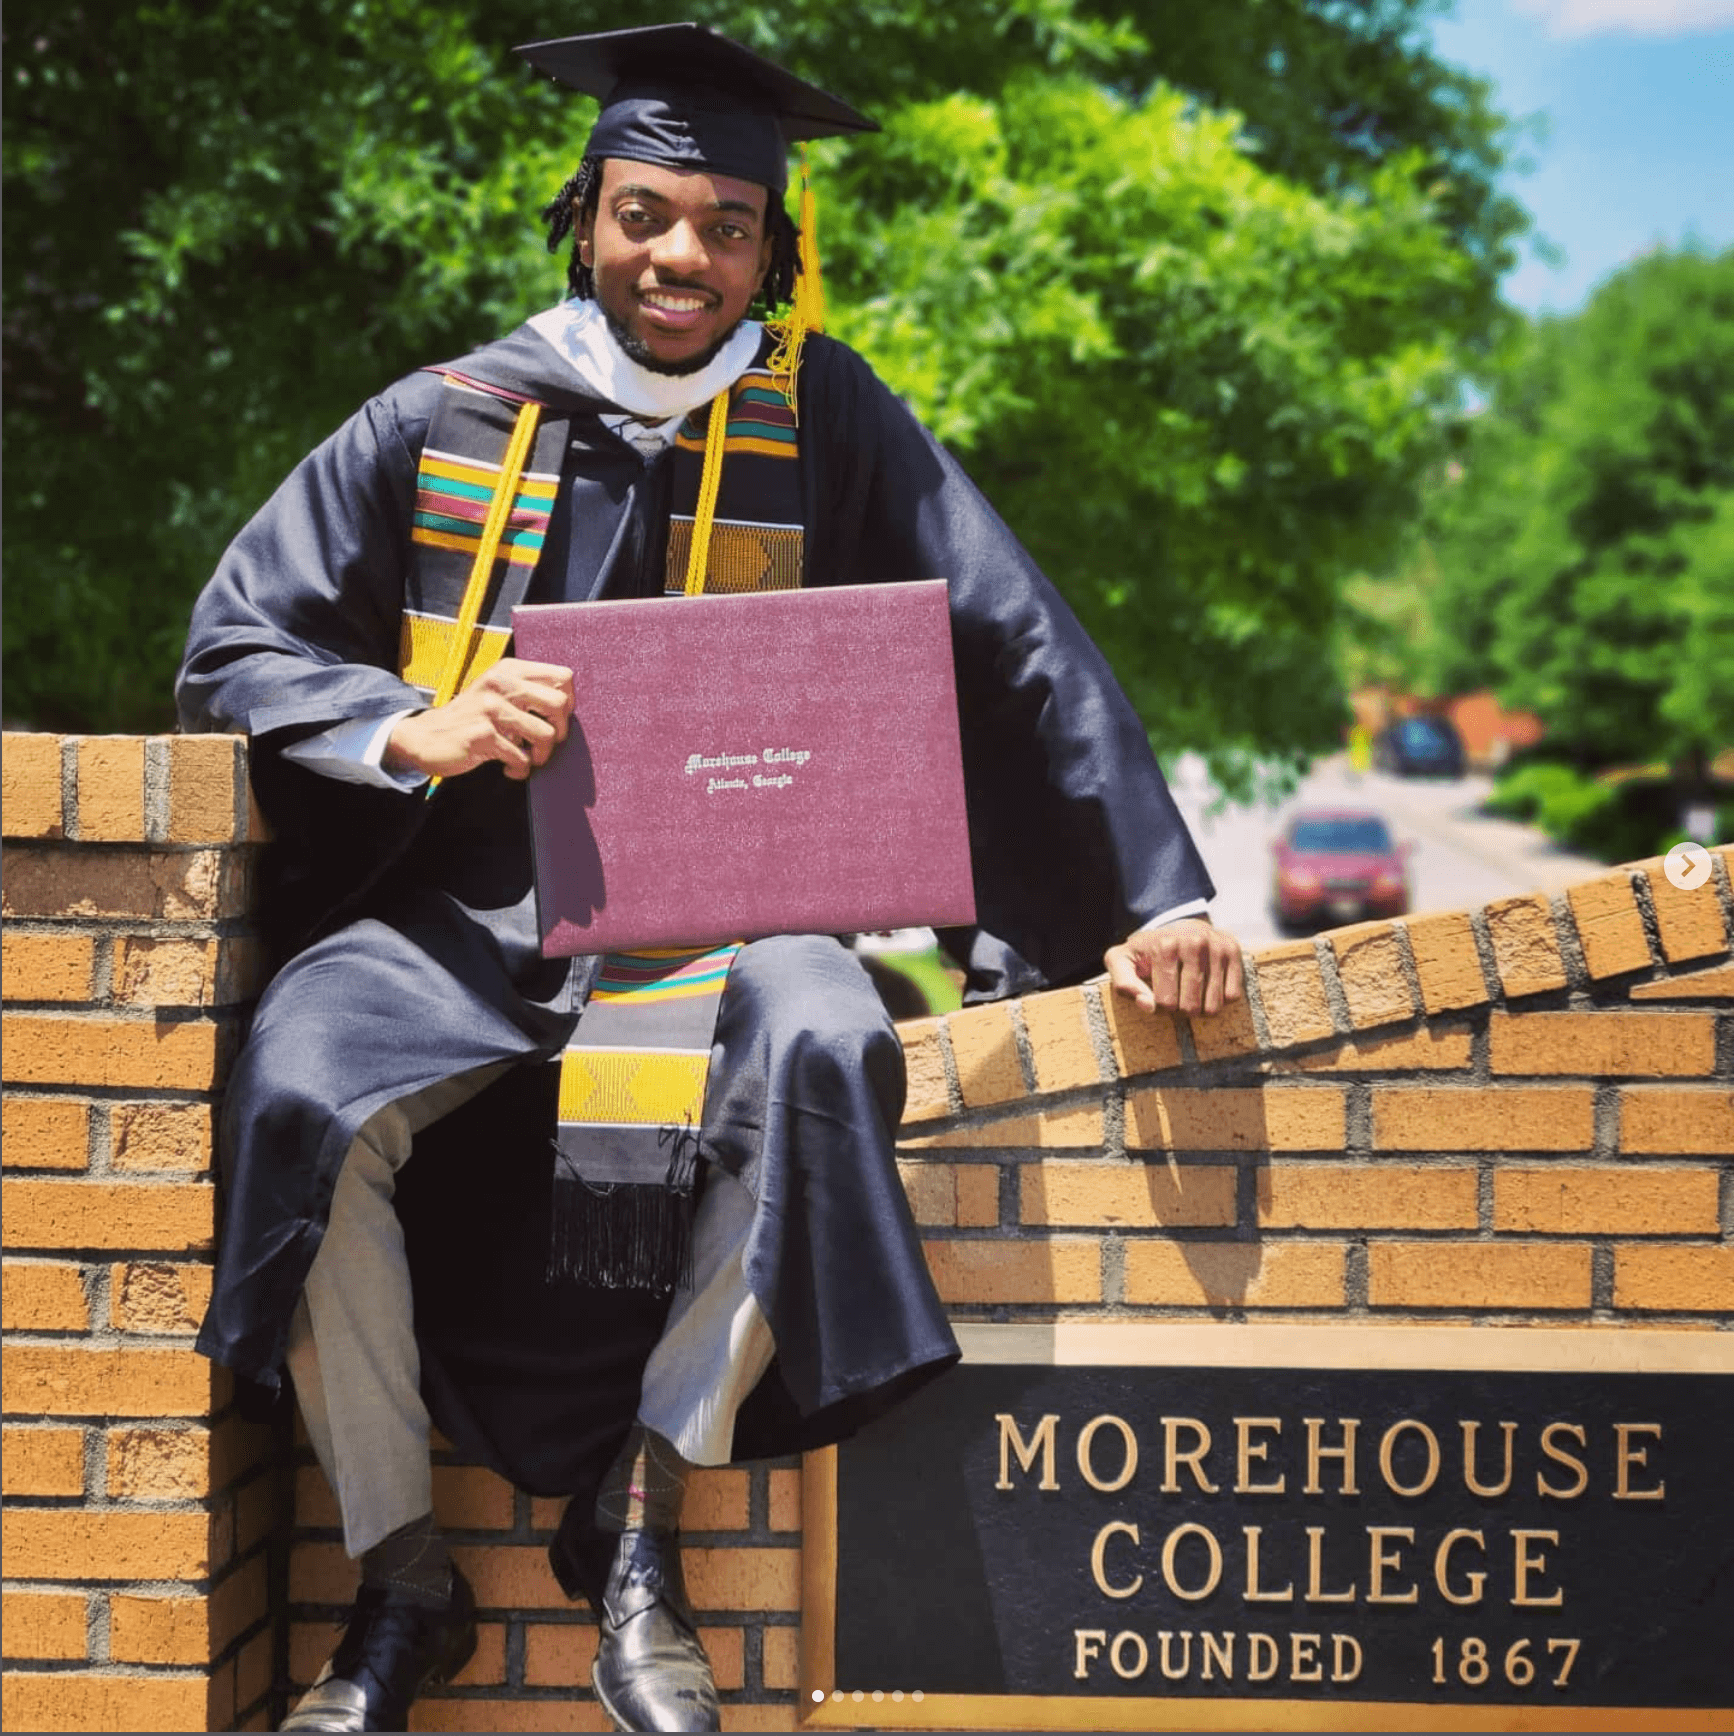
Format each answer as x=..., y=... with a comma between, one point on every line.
x=760, y=420
x=451, y=503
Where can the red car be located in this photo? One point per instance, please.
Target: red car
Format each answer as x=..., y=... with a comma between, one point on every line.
x=1338, y=865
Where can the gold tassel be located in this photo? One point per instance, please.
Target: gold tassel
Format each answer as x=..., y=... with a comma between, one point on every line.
x=807, y=307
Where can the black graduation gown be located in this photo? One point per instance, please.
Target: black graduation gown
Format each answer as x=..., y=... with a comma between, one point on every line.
x=1074, y=836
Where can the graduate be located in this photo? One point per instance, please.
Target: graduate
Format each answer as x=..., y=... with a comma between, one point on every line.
x=677, y=422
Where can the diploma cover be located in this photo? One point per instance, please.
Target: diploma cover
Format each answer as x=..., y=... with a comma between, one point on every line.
x=776, y=762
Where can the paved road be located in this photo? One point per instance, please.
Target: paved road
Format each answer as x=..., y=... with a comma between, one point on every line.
x=1461, y=858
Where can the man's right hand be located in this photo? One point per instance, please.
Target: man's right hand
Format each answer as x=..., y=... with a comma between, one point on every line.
x=517, y=713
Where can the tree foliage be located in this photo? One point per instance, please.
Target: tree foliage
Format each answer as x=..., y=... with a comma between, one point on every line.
x=1183, y=287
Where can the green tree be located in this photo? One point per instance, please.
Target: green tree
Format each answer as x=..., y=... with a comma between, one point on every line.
x=1587, y=554
x=1194, y=379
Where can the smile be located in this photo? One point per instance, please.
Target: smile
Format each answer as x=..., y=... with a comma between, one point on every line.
x=675, y=301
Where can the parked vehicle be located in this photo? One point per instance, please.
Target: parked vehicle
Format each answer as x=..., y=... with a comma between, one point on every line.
x=1337, y=865
x=1420, y=747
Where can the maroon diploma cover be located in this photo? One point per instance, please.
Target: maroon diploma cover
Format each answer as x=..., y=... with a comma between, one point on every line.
x=779, y=762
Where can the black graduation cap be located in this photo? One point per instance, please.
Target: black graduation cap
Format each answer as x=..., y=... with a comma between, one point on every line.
x=683, y=97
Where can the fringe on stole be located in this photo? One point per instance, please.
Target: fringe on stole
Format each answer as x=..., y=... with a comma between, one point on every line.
x=626, y=1235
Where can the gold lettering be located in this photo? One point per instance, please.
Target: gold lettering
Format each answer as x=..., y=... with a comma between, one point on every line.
x=1316, y=1450
x=1303, y=1660
x=1378, y=1562
x=1470, y=1430
x=1011, y=1444
x=1218, y=1652
x=1261, y=1657
x=1626, y=1455
x=1185, y=1669
x=1442, y=1566
x=1253, y=1594
x=1524, y=1564
x=1340, y=1645
x=1087, y=1440
x=1247, y=1449
x=1173, y=1458
x=1098, y=1554
x=1088, y=1643
x=1171, y=1548
x=1136, y=1669
x=1561, y=1457
x=1388, y=1453
x=1316, y=1592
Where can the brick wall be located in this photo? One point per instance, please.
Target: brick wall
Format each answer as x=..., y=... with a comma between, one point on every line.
x=1518, y=1114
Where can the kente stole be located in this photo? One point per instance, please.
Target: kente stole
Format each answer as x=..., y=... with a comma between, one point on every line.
x=633, y=1077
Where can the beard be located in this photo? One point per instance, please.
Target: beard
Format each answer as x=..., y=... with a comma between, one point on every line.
x=640, y=352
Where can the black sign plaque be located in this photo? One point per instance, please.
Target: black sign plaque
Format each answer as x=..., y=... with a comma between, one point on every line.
x=1157, y=1526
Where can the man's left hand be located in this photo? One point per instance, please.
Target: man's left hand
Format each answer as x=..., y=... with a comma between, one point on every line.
x=1188, y=966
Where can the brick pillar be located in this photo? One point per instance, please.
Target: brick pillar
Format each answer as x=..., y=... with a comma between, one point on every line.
x=137, y=1503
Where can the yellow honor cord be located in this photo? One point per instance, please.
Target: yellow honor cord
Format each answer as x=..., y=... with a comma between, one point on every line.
x=704, y=515
x=807, y=307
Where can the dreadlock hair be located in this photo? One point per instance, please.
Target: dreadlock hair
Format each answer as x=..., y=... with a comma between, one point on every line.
x=579, y=197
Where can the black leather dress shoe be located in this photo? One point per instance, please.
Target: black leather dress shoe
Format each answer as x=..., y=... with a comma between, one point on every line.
x=391, y=1650
x=650, y=1671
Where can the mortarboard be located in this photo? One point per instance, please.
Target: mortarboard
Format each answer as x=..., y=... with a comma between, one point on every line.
x=683, y=97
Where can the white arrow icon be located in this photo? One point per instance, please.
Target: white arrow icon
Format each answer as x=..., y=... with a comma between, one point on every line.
x=1687, y=865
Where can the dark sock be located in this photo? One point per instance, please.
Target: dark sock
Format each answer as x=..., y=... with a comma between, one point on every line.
x=644, y=1486
x=413, y=1561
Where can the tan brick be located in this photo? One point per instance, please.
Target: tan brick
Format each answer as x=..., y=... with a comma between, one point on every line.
x=726, y=1647
x=1473, y=1118
x=322, y=1573
x=165, y=973
x=1293, y=993
x=239, y=1602
x=747, y=1579
x=69, y=1700
x=487, y=1665
x=159, y=1630
x=1060, y=1041
x=928, y=1094
x=1446, y=961
x=43, y=1296
x=110, y=788
x=158, y=1296
x=1370, y=968
x=40, y=1213
x=767, y=1716
x=1142, y=1196
x=505, y=1576
x=985, y=1049
x=1223, y=1035
x=1067, y=1269
x=782, y=1657
x=48, y=967
x=160, y=1136
x=1143, y=1042
x=45, y=1133
x=42, y=1461
x=977, y=1195
x=1080, y=1125
x=558, y=1656
x=1690, y=923
x=94, y=880
x=932, y=1192
x=1610, y=927
x=1677, y=1120
x=1236, y=1118
x=67, y=1543
x=243, y=969
x=256, y=1664
x=468, y=1712
x=1349, y=1196
x=1714, y=984
x=51, y=1049
x=472, y=1498
x=716, y=1501
x=1525, y=946
x=1674, y=1280
x=46, y=1624
x=316, y=1506
x=1564, y=1200
x=204, y=772
x=1416, y=1051
x=1254, y=1274
x=159, y=1464
x=785, y=1500
x=44, y=1380
x=1478, y=1275
x=1608, y=1042
x=30, y=785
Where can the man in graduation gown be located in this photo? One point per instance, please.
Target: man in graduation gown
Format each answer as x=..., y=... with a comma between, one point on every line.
x=415, y=997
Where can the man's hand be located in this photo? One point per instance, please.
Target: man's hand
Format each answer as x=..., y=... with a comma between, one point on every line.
x=1187, y=965
x=516, y=713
